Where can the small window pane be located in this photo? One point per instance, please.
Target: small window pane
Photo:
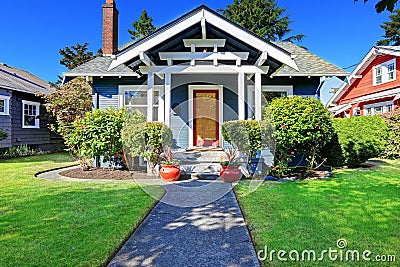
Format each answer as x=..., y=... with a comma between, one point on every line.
x=389, y=108
x=391, y=72
x=269, y=96
x=378, y=109
x=2, y=105
x=135, y=98
x=378, y=75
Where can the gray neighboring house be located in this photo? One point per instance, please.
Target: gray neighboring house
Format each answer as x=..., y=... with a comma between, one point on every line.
x=22, y=110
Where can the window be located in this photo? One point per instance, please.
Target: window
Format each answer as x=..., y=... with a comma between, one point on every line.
x=135, y=97
x=391, y=72
x=30, y=114
x=378, y=108
x=269, y=93
x=378, y=75
x=4, y=105
x=385, y=72
x=356, y=111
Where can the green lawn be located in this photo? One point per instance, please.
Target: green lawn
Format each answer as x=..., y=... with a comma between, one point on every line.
x=358, y=205
x=52, y=223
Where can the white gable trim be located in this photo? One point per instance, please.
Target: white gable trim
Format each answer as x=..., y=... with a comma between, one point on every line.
x=217, y=22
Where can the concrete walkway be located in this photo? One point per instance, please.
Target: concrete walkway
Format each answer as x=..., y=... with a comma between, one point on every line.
x=213, y=234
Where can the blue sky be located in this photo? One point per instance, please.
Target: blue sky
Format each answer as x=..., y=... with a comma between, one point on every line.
x=33, y=31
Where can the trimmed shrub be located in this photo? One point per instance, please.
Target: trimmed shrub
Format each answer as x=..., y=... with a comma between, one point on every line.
x=146, y=139
x=303, y=126
x=392, y=120
x=245, y=135
x=361, y=138
x=97, y=134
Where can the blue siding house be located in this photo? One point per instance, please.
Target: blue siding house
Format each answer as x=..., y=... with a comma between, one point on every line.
x=22, y=114
x=197, y=72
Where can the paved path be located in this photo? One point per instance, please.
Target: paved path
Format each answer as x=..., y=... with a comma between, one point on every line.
x=212, y=234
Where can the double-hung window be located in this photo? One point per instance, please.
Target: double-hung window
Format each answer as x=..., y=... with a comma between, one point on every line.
x=385, y=72
x=135, y=98
x=4, y=105
x=30, y=114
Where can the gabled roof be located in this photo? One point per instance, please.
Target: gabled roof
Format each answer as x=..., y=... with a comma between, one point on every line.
x=296, y=61
x=361, y=67
x=20, y=80
x=308, y=63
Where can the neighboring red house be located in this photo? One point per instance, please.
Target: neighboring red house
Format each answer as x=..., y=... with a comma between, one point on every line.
x=373, y=87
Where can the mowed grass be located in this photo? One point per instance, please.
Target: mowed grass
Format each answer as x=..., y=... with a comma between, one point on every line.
x=361, y=206
x=52, y=223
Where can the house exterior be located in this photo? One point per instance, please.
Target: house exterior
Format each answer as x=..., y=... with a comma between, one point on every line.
x=22, y=110
x=197, y=72
x=373, y=87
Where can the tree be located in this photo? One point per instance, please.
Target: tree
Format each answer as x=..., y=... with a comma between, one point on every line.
x=383, y=5
x=263, y=17
x=76, y=55
x=70, y=101
x=142, y=27
x=392, y=30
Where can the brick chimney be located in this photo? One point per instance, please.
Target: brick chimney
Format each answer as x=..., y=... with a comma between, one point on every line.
x=110, y=28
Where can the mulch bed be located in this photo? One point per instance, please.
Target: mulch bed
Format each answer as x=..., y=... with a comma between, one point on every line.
x=105, y=174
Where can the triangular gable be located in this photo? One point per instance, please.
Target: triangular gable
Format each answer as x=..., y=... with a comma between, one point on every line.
x=362, y=66
x=195, y=17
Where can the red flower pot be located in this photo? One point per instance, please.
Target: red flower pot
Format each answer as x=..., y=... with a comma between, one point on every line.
x=221, y=171
x=231, y=174
x=170, y=173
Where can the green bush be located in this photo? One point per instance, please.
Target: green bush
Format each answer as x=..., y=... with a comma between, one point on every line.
x=303, y=126
x=97, y=134
x=146, y=139
x=361, y=138
x=245, y=135
x=392, y=120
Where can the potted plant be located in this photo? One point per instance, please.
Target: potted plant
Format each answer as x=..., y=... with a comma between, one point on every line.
x=170, y=170
x=230, y=168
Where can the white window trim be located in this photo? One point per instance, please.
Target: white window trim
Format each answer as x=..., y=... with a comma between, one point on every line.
x=6, y=105
x=385, y=73
x=143, y=87
x=372, y=107
x=37, y=121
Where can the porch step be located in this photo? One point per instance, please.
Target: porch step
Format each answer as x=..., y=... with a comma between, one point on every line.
x=196, y=157
x=201, y=168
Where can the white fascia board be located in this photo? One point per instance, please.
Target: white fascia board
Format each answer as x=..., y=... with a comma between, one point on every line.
x=311, y=74
x=70, y=74
x=180, y=27
x=187, y=69
x=204, y=42
x=203, y=55
x=250, y=39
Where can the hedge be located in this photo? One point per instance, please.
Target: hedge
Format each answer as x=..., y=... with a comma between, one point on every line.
x=392, y=120
x=360, y=139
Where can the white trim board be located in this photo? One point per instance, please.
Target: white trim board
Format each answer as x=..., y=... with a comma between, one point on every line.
x=220, y=89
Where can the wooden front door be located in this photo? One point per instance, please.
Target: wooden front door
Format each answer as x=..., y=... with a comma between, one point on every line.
x=205, y=116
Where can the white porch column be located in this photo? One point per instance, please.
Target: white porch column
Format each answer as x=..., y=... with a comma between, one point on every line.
x=167, y=99
x=258, y=96
x=241, y=97
x=161, y=105
x=250, y=102
x=150, y=96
